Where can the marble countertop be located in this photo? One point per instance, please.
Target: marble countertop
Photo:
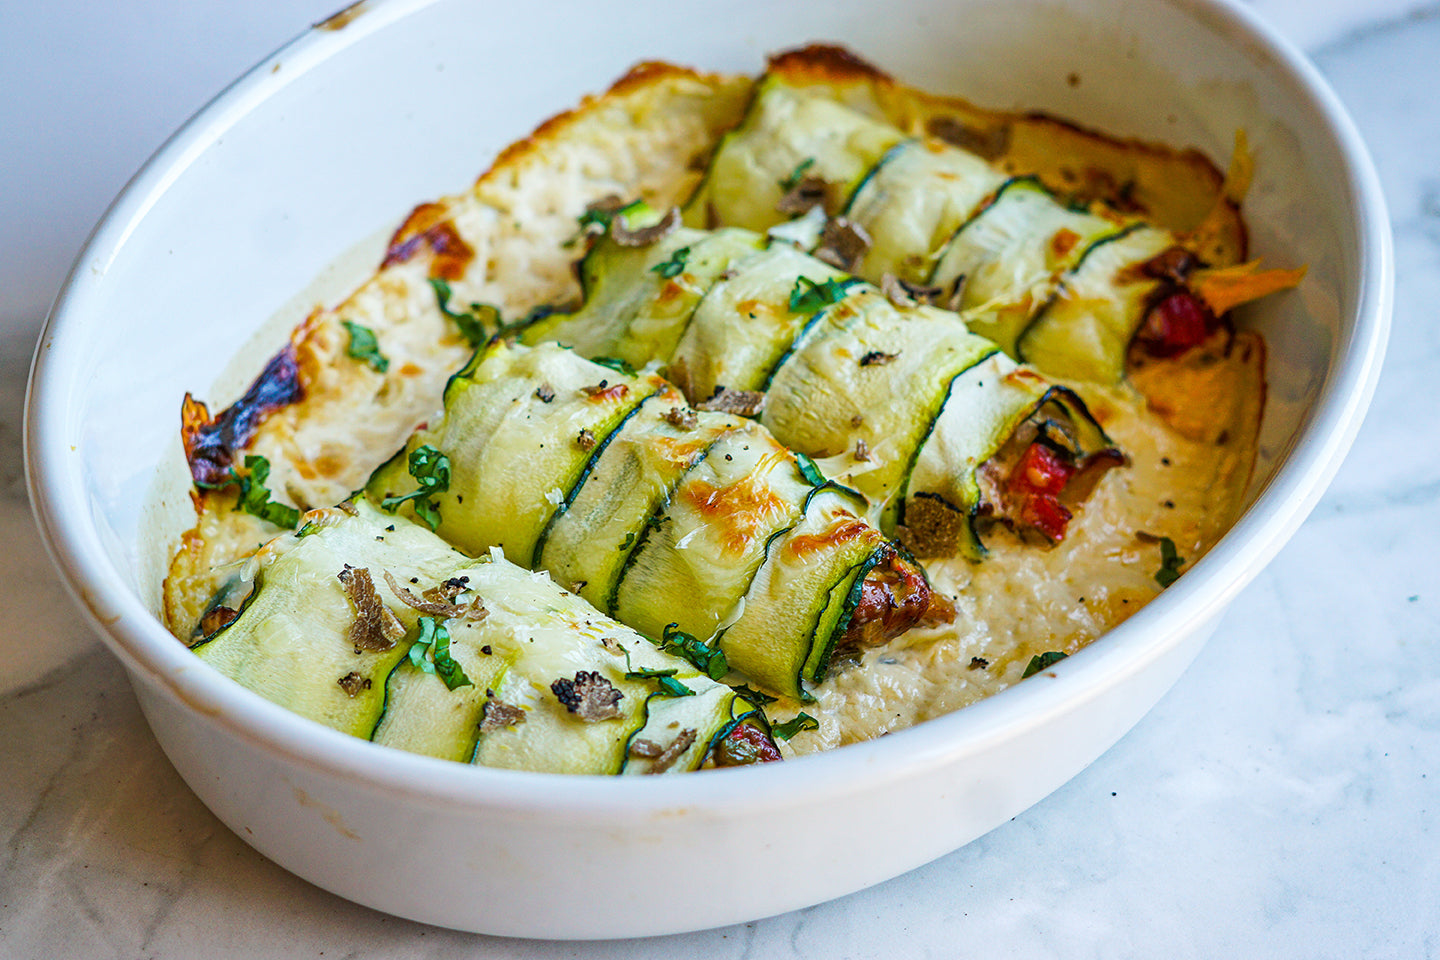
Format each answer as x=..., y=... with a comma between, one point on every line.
x=1282, y=801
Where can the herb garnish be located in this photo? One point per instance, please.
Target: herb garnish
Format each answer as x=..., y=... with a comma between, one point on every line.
x=807, y=296
x=255, y=496
x=669, y=686
x=477, y=323
x=431, y=469
x=754, y=696
x=435, y=640
x=616, y=364
x=707, y=659
x=1170, y=563
x=364, y=347
x=1042, y=661
x=674, y=266
x=793, y=180
x=647, y=673
x=788, y=729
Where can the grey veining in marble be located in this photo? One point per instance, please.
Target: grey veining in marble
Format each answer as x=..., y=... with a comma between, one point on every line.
x=1281, y=801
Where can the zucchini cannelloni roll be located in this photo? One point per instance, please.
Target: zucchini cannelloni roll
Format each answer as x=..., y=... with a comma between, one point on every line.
x=674, y=521
x=934, y=424
x=1068, y=287
x=373, y=625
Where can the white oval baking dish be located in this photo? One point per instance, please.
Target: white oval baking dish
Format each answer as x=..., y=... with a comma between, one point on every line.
x=337, y=135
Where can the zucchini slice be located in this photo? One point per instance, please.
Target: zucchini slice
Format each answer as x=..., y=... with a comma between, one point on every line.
x=791, y=618
x=1011, y=255
x=631, y=481
x=519, y=428
x=694, y=562
x=423, y=715
x=786, y=135
x=870, y=372
x=633, y=311
x=744, y=325
x=292, y=644
x=913, y=201
x=1086, y=329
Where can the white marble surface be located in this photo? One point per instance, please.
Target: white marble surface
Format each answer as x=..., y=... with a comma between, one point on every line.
x=1282, y=801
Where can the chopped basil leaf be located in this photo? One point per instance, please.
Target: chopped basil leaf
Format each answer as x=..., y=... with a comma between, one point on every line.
x=1042, y=661
x=674, y=266
x=646, y=673
x=255, y=496
x=431, y=469
x=435, y=640
x=476, y=324
x=793, y=180
x=616, y=364
x=808, y=470
x=671, y=687
x=754, y=696
x=1170, y=563
x=807, y=296
x=788, y=729
x=596, y=217
x=364, y=347
x=707, y=659
x=629, y=539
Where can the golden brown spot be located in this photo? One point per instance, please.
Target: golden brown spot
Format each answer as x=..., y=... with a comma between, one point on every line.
x=1022, y=375
x=844, y=531
x=670, y=291
x=823, y=61
x=760, y=308
x=331, y=464
x=429, y=226
x=215, y=618
x=606, y=392
x=342, y=18
x=739, y=512
x=676, y=452
x=1063, y=242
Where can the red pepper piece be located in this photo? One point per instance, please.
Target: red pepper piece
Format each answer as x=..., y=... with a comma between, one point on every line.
x=745, y=744
x=1175, y=324
x=1034, y=485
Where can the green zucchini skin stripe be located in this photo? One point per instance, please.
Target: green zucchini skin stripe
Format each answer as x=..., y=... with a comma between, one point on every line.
x=694, y=518
x=292, y=645
x=939, y=213
x=564, y=505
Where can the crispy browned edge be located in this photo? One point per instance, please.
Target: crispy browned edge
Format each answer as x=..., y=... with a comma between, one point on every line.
x=1209, y=213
